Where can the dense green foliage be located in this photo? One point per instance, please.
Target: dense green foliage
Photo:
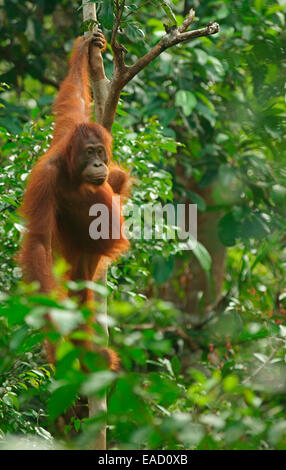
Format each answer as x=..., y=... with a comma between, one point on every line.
x=215, y=108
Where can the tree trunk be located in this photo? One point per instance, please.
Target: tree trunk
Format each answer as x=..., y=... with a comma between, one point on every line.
x=190, y=281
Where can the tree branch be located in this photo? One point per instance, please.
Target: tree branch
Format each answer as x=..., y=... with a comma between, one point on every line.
x=269, y=359
x=123, y=74
x=111, y=103
x=118, y=49
x=89, y=14
x=174, y=37
x=187, y=21
x=100, y=83
x=100, y=88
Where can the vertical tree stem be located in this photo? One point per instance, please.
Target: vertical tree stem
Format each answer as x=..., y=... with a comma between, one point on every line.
x=99, y=89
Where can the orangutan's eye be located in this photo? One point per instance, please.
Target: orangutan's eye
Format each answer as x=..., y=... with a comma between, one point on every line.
x=90, y=151
x=101, y=153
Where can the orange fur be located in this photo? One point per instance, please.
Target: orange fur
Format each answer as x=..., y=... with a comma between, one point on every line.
x=55, y=208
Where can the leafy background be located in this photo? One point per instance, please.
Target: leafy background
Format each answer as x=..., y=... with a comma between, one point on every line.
x=201, y=335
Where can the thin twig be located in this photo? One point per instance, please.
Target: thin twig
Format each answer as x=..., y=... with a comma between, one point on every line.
x=187, y=21
x=118, y=49
x=247, y=379
x=140, y=6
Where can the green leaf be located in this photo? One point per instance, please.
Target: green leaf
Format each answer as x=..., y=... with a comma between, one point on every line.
x=97, y=381
x=169, y=12
x=230, y=382
x=61, y=399
x=186, y=100
x=278, y=194
x=203, y=256
x=65, y=320
x=18, y=337
x=106, y=14
x=259, y=4
x=133, y=31
x=176, y=365
x=162, y=269
x=254, y=226
x=202, y=56
x=209, y=176
x=229, y=186
x=77, y=424
x=228, y=230
x=197, y=199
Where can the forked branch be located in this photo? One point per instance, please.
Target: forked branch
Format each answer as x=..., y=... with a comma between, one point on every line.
x=123, y=74
x=174, y=36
